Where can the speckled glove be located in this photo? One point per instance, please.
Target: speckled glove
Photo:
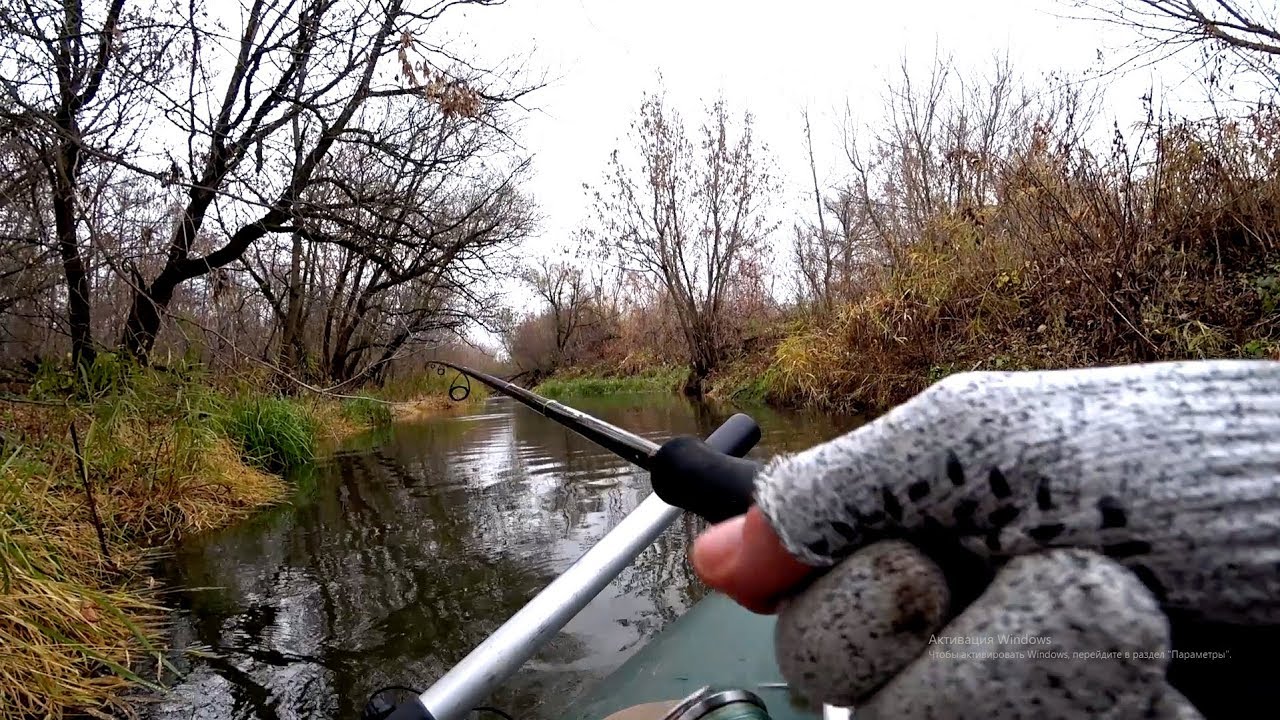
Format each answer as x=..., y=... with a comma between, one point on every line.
x=1087, y=543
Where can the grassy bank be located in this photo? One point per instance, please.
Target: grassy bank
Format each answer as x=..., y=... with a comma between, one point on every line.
x=598, y=382
x=161, y=455
x=747, y=382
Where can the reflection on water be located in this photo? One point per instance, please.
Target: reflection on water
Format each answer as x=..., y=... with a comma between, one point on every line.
x=400, y=555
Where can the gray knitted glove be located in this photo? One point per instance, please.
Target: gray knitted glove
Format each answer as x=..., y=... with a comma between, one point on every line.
x=1081, y=532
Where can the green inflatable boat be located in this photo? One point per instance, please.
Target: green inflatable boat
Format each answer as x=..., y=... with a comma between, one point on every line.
x=715, y=643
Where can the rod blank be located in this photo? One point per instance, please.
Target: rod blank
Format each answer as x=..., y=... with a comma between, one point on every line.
x=627, y=445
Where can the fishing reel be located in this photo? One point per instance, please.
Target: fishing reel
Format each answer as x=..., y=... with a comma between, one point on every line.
x=703, y=704
x=737, y=704
x=730, y=704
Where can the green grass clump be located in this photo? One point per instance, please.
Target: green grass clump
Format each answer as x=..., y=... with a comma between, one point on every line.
x=366, y=411
x=273, y=433
x=756, y=390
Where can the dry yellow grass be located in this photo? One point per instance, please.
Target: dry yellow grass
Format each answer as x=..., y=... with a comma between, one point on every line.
x=80, y=628
x=333, y=423
x=70, y=629
x=1076, y=259
x=426, y=407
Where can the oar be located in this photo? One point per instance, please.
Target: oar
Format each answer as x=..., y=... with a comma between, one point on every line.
x=465, y=686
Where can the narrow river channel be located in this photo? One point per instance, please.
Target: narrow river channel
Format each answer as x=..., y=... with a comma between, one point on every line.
x=404, y=549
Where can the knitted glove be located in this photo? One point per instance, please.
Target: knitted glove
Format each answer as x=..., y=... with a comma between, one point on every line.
x=1048, y=544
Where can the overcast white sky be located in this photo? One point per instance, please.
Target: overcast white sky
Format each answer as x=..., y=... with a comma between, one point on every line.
x=773, y=59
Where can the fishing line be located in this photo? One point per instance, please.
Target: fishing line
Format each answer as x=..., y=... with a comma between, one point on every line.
x=458, y=391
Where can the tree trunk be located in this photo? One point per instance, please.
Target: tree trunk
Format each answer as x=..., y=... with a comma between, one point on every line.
x=291, y=350
x=378, y=370
x=79, y=306
x=79, y=80
x=143, y=325
x=694, y=383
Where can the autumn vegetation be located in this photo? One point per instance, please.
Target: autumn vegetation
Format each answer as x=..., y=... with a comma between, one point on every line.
x=227, y=232
x=983, y=223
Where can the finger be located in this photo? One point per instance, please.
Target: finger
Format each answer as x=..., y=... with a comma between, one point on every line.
x=1061, y=634
x=743, y=558
x=861, y=623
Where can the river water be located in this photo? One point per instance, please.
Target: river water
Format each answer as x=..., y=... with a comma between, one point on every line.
x=404, y=549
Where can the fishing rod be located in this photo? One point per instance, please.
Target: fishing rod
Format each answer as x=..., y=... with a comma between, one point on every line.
x=724, y=484
x=708, y=478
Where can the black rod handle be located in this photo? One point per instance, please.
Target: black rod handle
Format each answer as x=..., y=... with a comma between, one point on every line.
x=709, y=478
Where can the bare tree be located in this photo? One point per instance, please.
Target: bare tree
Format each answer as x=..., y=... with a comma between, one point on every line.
x=75, y=79
x=933, y=169
x=831, y=261
x=565, y=290
x=829, y=258
x=25, y=252
x=394, y=247
x=814, y=262
x=324, y=183
x=1244, y=24
x=417, y=282
x=581, y=308
x=306, y=67
x=690, y=215
x=1235, y=39
x=528, y=341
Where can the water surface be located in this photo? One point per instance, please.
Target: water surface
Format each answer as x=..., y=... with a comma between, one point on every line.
x=403, y=551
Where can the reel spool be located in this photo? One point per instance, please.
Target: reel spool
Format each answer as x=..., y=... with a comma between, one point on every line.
x=708, y=704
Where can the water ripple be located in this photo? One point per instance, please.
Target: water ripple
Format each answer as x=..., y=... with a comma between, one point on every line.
x=395, y=561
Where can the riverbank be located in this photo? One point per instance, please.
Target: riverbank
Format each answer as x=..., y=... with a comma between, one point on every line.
x=154, y=457
x=597, y=383
x=811, y=369
x=1039, y=250
x=741, y=383
x=865, y=357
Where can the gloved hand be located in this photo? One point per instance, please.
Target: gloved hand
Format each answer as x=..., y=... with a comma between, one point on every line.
x=1029, y=545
